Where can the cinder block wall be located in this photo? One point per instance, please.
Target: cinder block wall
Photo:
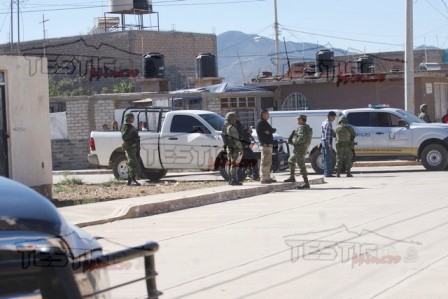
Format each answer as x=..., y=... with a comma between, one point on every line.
x=85, y=114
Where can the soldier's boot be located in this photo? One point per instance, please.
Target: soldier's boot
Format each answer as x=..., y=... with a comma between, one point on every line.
x=134, y=182
x=306, y=184
x=234, y=181
x=349, y=174
x=291, y=178
x=338, y=173
x=129, y=181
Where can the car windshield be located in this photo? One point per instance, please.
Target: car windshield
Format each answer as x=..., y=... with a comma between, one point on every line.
x=410, y=118
x=213, y=119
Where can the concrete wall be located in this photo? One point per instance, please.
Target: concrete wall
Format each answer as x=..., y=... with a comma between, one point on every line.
x=28, y=124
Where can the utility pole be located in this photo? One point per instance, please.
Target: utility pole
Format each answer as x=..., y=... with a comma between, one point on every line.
x=43, y=28
x=409, y=94
x=277, y=54
x=18, y=26
x=12, y=23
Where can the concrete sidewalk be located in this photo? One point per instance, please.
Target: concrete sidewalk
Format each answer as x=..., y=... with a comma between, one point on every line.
x=108, y=211
x=103, y=212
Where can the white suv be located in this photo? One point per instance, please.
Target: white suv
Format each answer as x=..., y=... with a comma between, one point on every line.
x=389, y=133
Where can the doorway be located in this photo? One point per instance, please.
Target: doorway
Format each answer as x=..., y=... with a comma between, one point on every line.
x=440, y=100
x=4, y=169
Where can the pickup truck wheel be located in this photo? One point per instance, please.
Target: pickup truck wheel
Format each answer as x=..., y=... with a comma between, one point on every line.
x=434, y=157
x=317, y=161
x=120, y=167
x=154, y=175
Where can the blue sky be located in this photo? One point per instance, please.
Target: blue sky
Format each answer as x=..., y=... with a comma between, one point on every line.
x=355, y=25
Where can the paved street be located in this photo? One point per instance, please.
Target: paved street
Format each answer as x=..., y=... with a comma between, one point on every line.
x=381, y=234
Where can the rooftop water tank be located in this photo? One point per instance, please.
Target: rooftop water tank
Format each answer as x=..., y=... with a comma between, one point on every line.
x=127, y=6
x=364, y=65
x=206, y=65
x=154, y=65
x=324, y=60
x=430, y=66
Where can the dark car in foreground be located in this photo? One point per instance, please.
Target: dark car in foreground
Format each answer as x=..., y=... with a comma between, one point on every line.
x=44, y=256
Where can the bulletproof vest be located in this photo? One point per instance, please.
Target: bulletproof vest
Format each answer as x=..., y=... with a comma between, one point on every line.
x=129, y=134
x=232, y=140
x=343, y=133
x=309, y=135
x=225, y=137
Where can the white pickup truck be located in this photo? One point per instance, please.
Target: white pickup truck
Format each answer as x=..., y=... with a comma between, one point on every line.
x=382, y=133
x=169, y=139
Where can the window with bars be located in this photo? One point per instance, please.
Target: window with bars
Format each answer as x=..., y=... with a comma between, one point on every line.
x=244, y=107
x=296, y=101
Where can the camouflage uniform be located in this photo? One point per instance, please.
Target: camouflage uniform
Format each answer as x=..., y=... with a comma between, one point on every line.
x=424, y=113
x=131, y=145
x=301, y=139
x=234, y=147
x=345, y=136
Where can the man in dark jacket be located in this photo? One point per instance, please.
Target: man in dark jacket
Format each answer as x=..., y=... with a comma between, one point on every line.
x=266, y=139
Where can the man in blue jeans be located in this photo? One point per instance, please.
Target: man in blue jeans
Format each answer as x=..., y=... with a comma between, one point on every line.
x=327, y=141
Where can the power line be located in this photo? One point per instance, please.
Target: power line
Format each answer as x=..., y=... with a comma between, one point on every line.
x=345, y=38
x=86, y=6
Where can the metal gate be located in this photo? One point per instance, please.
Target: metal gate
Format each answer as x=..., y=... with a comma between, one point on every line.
x=440, y=100
x=4, y=170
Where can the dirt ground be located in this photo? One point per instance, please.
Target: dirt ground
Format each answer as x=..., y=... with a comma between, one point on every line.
x=72, y=192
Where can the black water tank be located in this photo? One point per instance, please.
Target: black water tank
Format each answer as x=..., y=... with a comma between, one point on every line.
x=206, y=65
x=364, y=64
x=153, y=65
x=141, y=4
x=324, y=60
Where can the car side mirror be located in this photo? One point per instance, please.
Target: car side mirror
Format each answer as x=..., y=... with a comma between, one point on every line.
x=200, y=129
x=402, y=123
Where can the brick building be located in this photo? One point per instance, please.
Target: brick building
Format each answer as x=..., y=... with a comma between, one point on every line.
x=101, y=61
x=345, y=82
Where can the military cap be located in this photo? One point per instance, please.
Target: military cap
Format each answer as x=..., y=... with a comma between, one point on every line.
x=342, y=119
x=302, y=116
x=231, y=116
x=128, y=116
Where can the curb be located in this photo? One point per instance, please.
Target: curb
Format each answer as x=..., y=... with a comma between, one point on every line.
x=180, y=202
x=179, y=173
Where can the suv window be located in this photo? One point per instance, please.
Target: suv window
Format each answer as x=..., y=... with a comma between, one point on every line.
x=185, y=124
x=373, y=119
x=359, y=119
x=380, y=119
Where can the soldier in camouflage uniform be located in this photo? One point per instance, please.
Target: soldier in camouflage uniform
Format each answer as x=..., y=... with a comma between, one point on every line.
x=234, y=147
x=424, y=113
x=345, y=136
x=131, y=145
x=301, y=139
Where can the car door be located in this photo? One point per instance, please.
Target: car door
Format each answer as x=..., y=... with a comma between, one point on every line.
x=389, y=138
x=189, y=144
x=361, y=122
